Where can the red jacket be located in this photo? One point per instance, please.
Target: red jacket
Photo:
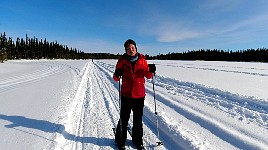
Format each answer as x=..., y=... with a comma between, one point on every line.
x=133, y=78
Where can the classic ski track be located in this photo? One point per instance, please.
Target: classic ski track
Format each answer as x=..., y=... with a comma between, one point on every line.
x=103, y=101
x=250, y=72
x=85, y=109
x=227, y=131
x=186, y=91
x=26, y=78
x=79, y=110
x=109, y=89
x=223, y=100
x=98, y=76
x=106, y=100
x=69, y=137
x=184, y=111
x=150, y=133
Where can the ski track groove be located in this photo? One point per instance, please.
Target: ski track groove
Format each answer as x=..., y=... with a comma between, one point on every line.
x=70, y=135
x=80, y=96
x=220, y=128
x=109, y=107
x=103, y=101
x=224, y=70
x=221, y=100
x=150, y=124
x=111, y=99
x=111, y=91
x=27, y=78
x=98, y=77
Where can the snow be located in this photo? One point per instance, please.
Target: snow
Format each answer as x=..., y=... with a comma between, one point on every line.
x=73, y=104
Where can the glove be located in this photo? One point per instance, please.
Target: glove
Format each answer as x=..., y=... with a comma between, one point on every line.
x=152, y=68
x=118, y=72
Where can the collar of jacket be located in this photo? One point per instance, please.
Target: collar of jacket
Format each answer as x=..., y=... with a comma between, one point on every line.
x=127, y=57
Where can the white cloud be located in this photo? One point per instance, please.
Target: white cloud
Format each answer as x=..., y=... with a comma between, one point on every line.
x=169, y=31
x=174, y=35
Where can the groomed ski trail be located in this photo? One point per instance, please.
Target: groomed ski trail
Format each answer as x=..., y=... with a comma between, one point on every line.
x=65, y=104
x=191, y=116
x=93, y=112
x=189, y=113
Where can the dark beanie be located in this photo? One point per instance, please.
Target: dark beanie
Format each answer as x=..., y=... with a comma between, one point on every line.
x=128, y=42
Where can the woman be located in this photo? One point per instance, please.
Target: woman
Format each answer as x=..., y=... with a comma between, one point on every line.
x=132, y=67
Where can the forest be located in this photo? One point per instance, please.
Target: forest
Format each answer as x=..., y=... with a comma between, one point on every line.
x=33, y=48
x=248, y=55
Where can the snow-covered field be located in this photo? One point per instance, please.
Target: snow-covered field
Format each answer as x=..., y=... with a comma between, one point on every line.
x=73, y=104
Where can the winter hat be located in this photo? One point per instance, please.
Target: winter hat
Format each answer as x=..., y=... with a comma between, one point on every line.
x=128, y=42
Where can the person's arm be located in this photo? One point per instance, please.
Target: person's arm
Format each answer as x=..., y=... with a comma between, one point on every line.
x=118, y=71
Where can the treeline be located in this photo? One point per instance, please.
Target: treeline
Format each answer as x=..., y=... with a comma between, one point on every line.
x=33, y=48
x=257, y=55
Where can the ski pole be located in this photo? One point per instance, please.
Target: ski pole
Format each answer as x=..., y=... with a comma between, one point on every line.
x=119, y=83
x=156, y=116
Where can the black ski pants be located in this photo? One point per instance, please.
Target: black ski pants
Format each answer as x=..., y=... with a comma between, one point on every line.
x=136, y=105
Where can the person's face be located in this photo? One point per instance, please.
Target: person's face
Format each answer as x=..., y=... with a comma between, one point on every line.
x=131, y=50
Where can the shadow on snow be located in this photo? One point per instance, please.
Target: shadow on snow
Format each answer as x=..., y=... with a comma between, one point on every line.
x=49, y=127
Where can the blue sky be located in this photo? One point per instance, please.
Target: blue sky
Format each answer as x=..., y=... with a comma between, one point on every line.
x=157, y=26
